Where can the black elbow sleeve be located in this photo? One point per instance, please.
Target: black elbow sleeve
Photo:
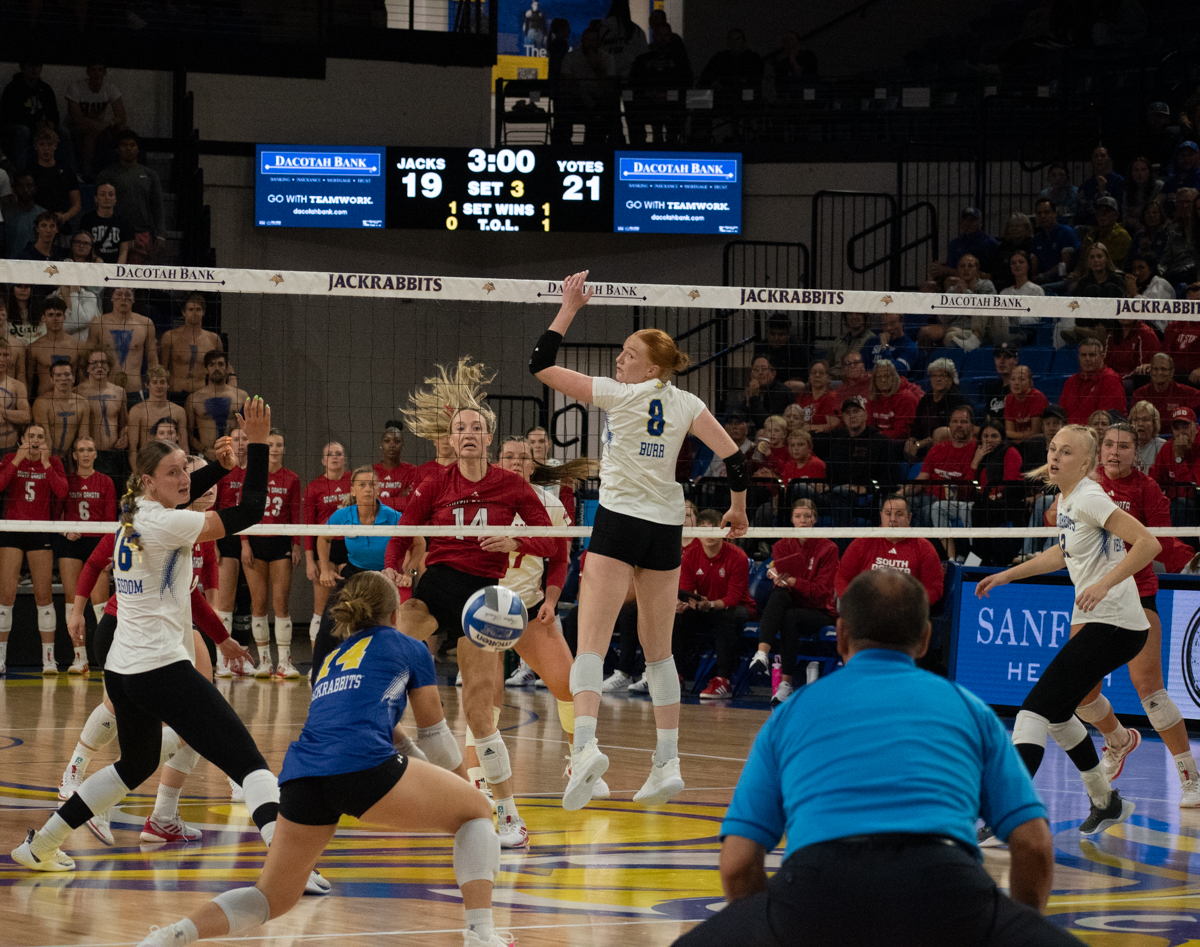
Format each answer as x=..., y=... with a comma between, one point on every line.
x=205, y=479
x=253, y=504
x=545, y=353
x=738, y=472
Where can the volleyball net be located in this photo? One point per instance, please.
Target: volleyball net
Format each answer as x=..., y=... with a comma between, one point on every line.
x=337, y=354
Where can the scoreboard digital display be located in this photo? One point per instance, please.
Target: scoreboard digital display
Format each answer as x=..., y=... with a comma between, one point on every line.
x=317, y=186
x=500, y=190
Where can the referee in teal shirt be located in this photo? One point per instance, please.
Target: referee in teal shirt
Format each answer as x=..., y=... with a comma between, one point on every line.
x=877, y=775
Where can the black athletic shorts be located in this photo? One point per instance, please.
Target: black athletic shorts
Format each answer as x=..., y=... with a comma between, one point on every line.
x=27, y=542
x=102, y=641
x=445, y=591
x=230, y=547
x=338, y=555
x=270, y=548
x=323, y=800
x=639, y=542
x=79, y=548
x=1149, y=603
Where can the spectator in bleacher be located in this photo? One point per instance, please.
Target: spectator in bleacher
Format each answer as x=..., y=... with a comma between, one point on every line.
x=993, y=464
x=57, y=187
x=788, y=357
x=1187, y=169
x=1130, y=347
x=955, y=328
x=26, y=105
x=770, y=441
x=856, y=380
x=890, y=410
x=706, y=463
x=764, y=395
x=803, y=601
x=19, y=216
x=948, y=461
x=1020, y=282
x=1100, y=421
x=1103, y=182
x=856, y=335
x=1141, y=190
x=131, y=336
x=622, y=38
x=915, y=556
x=1151, y=235
x=1034, y=448
x=586, y=95
x=1095, y=387
x=1158, y=138
x=1054, y=243
x=83, y=302
x=1016, y=238
x=999, y=500
x=733, y=69
x=24, y=316
x=658, y=18
x=1163, y=392
x=800, y=462
x=932, y=418
x=794, y=67
x=140, y=197
x=1107, y=232
x=111, y=233
x=558, y=44
x=821, y=403
x=662, y=69
x=714, y=604
x=1143, y=282
x=95, y=112
x=44, y=247
x=891, y=343
x=972, y=239
x=1181, y=340
x=1179, y=257
x=1023, y=407
x=1177, y=467
x=1100, y=276
x=857, y=459
x=1146, y=422
x=967, y=279
x=994, y=392
x=1062, y=193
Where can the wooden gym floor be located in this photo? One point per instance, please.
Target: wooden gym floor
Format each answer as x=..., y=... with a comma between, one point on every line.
x=613, y=873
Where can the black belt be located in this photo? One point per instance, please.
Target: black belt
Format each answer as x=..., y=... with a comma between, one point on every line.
x=902, y=840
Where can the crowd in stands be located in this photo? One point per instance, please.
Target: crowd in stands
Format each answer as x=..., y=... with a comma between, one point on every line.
x=72, y=186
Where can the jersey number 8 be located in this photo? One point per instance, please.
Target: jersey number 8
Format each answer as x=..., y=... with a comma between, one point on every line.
x=656, y=424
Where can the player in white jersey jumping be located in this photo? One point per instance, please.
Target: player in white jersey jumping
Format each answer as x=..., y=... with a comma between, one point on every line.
x=1108, y=626
x=637, y=530
x=148, y=675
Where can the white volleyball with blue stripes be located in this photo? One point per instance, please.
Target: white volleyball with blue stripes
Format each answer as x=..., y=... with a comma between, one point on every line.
x=494, y=618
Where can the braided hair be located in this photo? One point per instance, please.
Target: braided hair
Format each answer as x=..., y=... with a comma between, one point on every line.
x=146, y=462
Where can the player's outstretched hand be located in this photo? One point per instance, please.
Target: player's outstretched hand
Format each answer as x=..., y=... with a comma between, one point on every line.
x=989, y=582
x=235, y=654
x=573, y=296
x=256, y=420
x=736, y=521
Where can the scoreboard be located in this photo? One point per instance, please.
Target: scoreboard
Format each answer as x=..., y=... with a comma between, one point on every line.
x=499, y=190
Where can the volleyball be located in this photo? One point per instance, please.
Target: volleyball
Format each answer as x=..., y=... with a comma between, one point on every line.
x=494, y=618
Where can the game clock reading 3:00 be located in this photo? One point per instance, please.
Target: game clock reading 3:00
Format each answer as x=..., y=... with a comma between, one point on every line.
x=500, y=190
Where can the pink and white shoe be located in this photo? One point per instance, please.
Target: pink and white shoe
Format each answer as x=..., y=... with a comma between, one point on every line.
x=175, y=830
x=513, y=833
x=70, y=781
x=1113, y=761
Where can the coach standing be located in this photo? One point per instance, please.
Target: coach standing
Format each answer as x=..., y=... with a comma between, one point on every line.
x=877, y=775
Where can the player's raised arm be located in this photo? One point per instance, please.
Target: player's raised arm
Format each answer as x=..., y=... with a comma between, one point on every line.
x=541, y=363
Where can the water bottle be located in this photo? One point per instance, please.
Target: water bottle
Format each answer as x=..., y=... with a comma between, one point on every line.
x=813, y=671
x=776, y=673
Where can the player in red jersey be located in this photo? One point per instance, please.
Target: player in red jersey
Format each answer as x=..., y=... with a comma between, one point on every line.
x=915, y=556
x=90, y=496
x=1141, y=498
x=396, y=478
x=271, y=559
x=229, y=548
x=29, y=477
x=321, y=498
x=471, y=492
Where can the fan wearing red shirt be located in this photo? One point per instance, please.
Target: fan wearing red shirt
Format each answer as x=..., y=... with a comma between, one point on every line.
x=1093, y=388
x=821, y=404
x=1140, y=497
x=803, y=600
x=30, y=478
x=1130, y=347
x=397, y=480
x=714, y=604
x=1164, y=392
x=915, y=556
x=947, y=461
x=1181, y=340
x=322, y=497
x=1023, y=406
x=1178, y=463
x=800, y=463
x=269, y=560
x=471, y=492
x=91, y=496
x=890, y=409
